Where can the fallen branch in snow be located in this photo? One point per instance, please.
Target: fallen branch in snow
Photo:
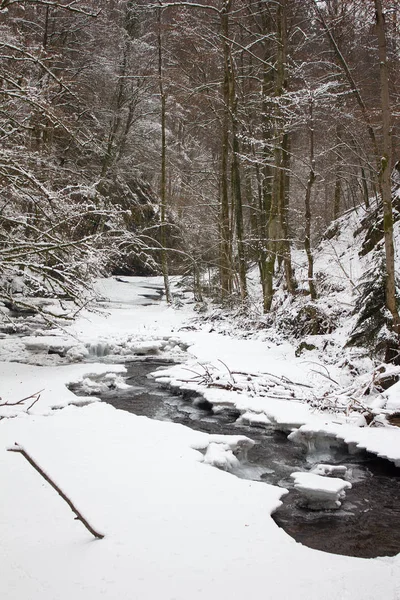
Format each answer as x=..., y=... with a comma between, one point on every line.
x=259, y=384
x=214, y=384
x=283, y=379
x=326, y=376
x=79, y=516
x=228, y=369
x=35, y=397
x=351, y=399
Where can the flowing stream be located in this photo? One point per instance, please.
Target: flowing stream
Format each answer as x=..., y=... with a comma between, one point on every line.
x=367, y=524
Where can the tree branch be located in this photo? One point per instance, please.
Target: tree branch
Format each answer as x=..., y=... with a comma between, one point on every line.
x=70, y=7
x=79, y=516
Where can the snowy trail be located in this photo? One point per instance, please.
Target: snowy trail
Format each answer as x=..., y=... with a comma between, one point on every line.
x=175, y=527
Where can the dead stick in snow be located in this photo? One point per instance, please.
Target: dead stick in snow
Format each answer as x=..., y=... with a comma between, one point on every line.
x=34, y=464
x=35, y=395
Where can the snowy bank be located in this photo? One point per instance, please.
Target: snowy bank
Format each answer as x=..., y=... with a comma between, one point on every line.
x=174, y=527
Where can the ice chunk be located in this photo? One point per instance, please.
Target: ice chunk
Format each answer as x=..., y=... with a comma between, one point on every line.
x=221, y=456
x=324, y=469
x=254, y=418
x=146, y=347
x=77, y=353
x=225, y=451
x=320, y=492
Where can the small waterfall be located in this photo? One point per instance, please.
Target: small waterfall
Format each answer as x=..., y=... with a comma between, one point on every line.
x=99, y=349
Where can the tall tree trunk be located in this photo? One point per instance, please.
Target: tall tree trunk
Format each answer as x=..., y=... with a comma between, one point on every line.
x=284, y=214
x=163, y=174
x=307, y=202
x=277, y=230
x=272, y=231
x=267, y=175
x=116, y=121
x=236, y=183
x=46, y=27
x=338, y=192
x=225, y=259
x=386, y=168
x=238, y=207
x=365, y=187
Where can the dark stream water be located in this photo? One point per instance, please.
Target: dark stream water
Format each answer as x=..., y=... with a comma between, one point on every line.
x=367, y=524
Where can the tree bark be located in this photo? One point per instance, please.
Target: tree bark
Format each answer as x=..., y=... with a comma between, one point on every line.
x=385, y=171
x=163, y=174
x=265, y=197
x=338, y=192
x=307, y=202
x=277, y=230
x=225, y=258
x=284, y=214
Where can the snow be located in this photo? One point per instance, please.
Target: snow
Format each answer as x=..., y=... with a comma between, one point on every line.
x=175, y=526
x=382, y=441
x=19, y=381
x=320, y=492
x=324, y=469
x=392, y=397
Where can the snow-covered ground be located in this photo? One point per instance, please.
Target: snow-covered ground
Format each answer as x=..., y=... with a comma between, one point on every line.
x=175, y=527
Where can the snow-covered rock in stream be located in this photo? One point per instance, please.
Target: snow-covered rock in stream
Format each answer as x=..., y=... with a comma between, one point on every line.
x=320, y=493
x=220, y=456
x=225, y=451
x=329, y=470
x=252, y=418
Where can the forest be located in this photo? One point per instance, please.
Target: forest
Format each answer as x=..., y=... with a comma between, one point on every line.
x=211, y=139
x=199, y=299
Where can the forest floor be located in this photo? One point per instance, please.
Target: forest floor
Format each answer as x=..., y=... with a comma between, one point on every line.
x=175, y=527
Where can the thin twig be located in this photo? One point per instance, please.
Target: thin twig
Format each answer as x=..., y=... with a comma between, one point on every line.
x=33, y=403
x=23, y=400
x=326, y=376
x=228, y=369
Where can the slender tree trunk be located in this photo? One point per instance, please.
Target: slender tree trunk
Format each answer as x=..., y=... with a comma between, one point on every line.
x=272, y=231
x=46, y=27
x=365, y=187
x=238, y=207
x=163, y=182
x=225, y=258
x=386, y=161
x=284, y=214
x=117, y=116
x=266, y=267
x=307, y=202
x=277, y=230
x=338, y=192
x=237, y=188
